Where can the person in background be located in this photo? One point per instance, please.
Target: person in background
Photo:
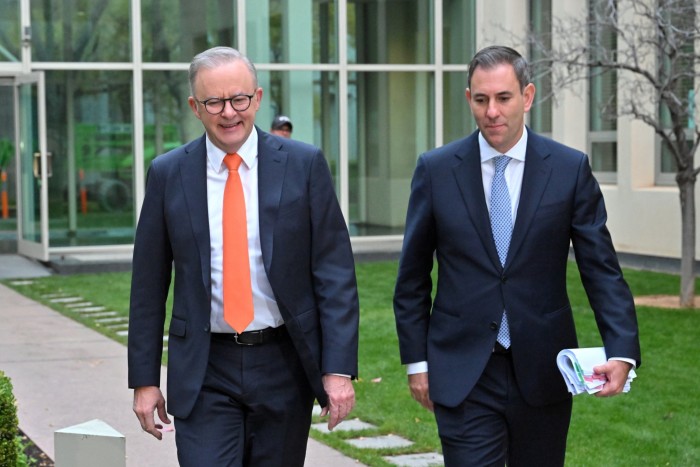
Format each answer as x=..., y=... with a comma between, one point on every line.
x=498, y=210
x=281, y=126
x=264, y=318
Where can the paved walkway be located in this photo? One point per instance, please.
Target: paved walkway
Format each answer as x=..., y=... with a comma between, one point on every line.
x=66, y=374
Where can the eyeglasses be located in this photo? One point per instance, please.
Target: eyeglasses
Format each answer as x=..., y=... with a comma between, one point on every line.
x=216, y=105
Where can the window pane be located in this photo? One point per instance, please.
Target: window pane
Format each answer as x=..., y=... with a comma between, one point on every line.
x=168, y=120
x=177, y=30
x=8, y=174
x=457, y=117
x=390, y=31
x=604, y=157
x=602, y=84
x=292, y=31
x=387, y=133
x=81, y=31
x=91, y=190
x=310, y=100
x=668, y=161
x=458, y=30
x=10, y=31
x=541, y=25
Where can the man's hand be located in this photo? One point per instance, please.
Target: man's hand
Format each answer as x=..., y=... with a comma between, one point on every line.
x=341, y=398
x=148, y=399
x=418, y=384
x=616, y=371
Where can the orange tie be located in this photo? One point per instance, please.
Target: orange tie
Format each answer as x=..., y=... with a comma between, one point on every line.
x=238, y=294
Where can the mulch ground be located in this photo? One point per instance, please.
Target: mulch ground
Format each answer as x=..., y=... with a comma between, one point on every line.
x=37, y=457
x=663, y=301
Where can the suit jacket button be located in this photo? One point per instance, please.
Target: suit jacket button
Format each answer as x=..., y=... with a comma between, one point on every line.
x=503, y=279
x=207, y=328
x=493, y=325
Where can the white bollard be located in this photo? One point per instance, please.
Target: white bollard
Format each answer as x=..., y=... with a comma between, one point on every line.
x=89, y=444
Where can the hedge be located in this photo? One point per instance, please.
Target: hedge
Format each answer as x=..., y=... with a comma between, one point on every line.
x=8, y=423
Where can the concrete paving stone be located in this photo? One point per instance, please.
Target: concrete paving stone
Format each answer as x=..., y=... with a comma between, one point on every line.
x=429, y=459
x=380, y=442
x=123, y=333
x=316, y=410
x=89, y=308
x=98, y=314
x=78, y=304
x=21, y=282
x=117, y=319
x=348, y=425
x=65, y=299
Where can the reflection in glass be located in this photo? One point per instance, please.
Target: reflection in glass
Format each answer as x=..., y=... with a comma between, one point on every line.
x=292, y=31
x=81, y=31
x=458, y=31
x=8, y=172
x=91, y=138
x=10, y=28
x=604, y=157
x=390, y=124
x=310, y=100
x=458, y=120
x=168, y=120
x=30, y=210
x=390, y=31
x=177, y=30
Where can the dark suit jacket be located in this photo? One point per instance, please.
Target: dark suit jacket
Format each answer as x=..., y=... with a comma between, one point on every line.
x=560, y=203
x=306, y=252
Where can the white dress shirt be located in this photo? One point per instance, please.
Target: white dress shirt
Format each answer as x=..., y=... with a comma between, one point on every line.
x=266, y=311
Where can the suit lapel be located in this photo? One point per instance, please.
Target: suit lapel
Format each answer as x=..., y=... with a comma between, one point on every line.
x=272, y=164
x=535, y=178
x=193, y=172
x=468, y=176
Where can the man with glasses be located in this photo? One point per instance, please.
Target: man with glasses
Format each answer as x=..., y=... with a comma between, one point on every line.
x=241, y=386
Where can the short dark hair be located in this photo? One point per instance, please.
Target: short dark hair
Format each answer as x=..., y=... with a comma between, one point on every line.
x=494, y=55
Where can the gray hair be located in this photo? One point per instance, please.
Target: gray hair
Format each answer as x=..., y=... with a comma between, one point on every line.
x=490, y=57
x=217, y=56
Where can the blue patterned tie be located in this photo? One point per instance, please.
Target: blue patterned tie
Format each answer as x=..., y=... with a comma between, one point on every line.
x=502, y=228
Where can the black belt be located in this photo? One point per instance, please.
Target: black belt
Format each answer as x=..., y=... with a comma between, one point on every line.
x=498, y=349
x=260, y=337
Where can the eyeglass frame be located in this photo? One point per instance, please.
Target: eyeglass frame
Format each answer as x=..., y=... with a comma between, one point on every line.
x=230, y=100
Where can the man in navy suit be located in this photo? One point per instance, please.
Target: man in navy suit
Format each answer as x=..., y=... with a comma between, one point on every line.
x=242, y=398
x=482, y=353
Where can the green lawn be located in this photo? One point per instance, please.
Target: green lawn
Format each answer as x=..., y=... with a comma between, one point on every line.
x=656, y=424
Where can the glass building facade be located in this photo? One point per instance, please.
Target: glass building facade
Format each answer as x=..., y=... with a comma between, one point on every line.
x=372, y=82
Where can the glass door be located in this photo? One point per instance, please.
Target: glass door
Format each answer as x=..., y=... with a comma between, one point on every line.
x=33, y=166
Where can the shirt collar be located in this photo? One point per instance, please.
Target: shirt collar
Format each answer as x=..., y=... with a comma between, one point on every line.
x=248, y=152
x=516, y=152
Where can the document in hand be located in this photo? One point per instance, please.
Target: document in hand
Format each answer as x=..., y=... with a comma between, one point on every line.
x=576, y=366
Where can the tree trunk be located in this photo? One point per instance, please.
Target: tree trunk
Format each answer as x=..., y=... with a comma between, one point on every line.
x=687, y=193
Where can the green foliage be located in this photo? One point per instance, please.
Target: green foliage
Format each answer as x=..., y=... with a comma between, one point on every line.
x=654, y=424
x=8, y=423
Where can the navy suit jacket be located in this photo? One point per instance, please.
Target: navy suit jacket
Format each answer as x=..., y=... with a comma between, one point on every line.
x=560, y=204
x=306, y=253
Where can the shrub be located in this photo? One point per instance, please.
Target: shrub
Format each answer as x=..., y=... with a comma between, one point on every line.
x=8, y=423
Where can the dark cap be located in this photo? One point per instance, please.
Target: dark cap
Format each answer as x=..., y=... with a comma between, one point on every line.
x=281, y=121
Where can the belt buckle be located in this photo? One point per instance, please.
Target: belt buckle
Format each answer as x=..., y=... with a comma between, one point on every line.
x=235, y=338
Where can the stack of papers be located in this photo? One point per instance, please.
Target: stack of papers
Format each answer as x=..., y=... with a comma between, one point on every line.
x=576, y=365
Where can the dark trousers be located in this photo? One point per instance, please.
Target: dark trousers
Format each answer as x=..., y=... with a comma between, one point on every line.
x=254, y=408
x=494, y=426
